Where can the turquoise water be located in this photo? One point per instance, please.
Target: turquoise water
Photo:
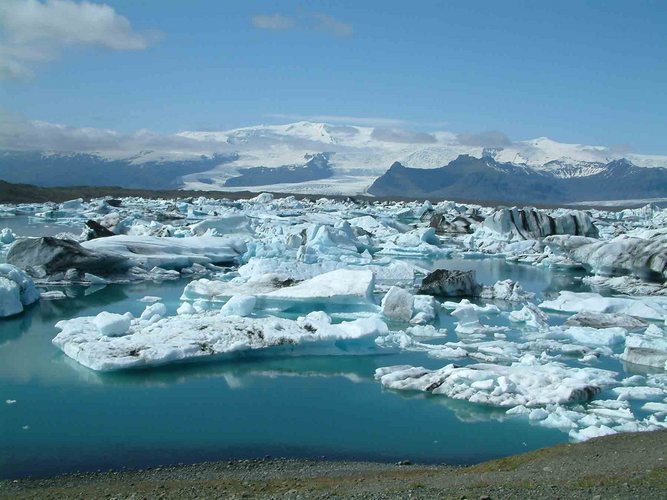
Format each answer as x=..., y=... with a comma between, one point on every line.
x=22, y=226
x=69, y=418
x=329, y=406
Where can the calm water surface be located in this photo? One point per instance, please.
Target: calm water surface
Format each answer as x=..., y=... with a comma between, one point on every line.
x=69, y=418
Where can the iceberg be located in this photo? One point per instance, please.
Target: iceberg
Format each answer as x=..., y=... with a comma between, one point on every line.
x=450, y=283
x=17, y=290
x=171, y=253
x=200, y=336
x=342, y=287
x=398, y=304
x=641, y=307
x=524, y=383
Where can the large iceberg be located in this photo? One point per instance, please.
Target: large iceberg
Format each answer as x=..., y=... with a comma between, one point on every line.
x=171, y=253
x=187, y=337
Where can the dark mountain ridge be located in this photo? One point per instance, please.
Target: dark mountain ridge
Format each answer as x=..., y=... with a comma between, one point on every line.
x=487, y=179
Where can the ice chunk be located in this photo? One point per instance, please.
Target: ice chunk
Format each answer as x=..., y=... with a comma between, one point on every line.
x=595, y=336
x=336, y=288
x=468, y=315
x=604, y=320
x=230, y=224
x=148, y=252
x=638, y=392
x=528, y=384
x=150, y=299
x=153, y=312
x=239, y=305
x=450, y=283
x=642, y=307
x=530, y=223
x=645, y=356
x=649, y=349
x=219, y=291
x=426, y=309
x=189, y=337
x=10, y=298
x=531, y=315
x=53, y=295
x=506, y=290
x=17, y=290
x=112, y=325
x=398, y=304
x=591, y=432
x=7, y=236
x=55, y=255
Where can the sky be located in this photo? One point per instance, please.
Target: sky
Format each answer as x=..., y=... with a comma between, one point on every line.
x=592, y=72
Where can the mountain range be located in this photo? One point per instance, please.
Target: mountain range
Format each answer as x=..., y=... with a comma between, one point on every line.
x=319, y=158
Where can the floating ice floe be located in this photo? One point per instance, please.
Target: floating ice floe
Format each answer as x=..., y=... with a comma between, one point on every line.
x=648, y=349
x=450, y=283
x=643, y=257
x=7, y=236
x=17, y=290
x=468, y=315
x=187, y=337
x=336, y=288
x=641, y=307
x=605, y=320
x=171, y=253
x=524, y=383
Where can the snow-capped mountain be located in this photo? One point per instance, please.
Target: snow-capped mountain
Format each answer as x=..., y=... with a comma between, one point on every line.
x=317, y=158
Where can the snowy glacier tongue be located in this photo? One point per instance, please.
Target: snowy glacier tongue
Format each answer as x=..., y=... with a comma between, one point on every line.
x=557, y=317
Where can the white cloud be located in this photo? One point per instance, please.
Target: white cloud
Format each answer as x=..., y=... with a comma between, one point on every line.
x=34, y=31
x=332, y=25
x=316, y=21
x=16, y=133
x=273, y=22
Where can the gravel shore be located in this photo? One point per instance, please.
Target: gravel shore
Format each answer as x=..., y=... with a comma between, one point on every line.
x=619, y=466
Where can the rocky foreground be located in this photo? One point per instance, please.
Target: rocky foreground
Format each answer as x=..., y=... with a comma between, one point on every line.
x=619, y=466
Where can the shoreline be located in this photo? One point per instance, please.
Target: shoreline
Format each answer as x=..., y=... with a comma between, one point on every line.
x=27, y=193
x=632, y=465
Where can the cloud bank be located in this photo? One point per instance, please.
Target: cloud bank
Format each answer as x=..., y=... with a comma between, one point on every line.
x=490, y=139
x=33, y=31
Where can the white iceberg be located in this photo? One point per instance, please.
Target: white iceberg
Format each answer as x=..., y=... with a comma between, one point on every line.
x=17, y=290
x=527, y=384
x=199, y=336
x=641, y=307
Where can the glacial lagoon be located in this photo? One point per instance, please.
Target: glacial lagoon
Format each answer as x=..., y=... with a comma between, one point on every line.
x=59, y=416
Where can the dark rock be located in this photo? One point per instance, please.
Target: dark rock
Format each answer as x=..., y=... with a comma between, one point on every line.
x=450, y=284
x=56, y=255
x=97, y=230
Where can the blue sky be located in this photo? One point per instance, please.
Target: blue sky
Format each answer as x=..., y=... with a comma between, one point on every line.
x=577, y=71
